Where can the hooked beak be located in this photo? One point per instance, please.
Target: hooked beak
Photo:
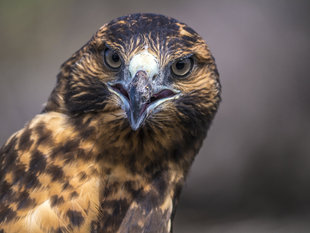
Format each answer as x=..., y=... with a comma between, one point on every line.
x=140, y=96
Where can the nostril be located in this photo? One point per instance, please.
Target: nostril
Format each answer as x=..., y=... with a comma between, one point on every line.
x=153, y=99
x=154, y=77
x=119, y=88
x=161, y=95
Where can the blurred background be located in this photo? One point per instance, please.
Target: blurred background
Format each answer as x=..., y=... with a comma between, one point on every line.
x=253, y=172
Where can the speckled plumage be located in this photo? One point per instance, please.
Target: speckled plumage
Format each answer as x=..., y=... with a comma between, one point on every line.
x=79, y=166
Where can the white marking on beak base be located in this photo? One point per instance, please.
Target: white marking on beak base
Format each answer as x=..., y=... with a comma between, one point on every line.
x=144, y=61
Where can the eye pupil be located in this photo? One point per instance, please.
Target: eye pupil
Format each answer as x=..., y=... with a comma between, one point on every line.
x=115, y=57
x=180, y=65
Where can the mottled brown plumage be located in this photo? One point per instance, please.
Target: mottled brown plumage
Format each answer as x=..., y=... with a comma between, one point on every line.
x=111, y=149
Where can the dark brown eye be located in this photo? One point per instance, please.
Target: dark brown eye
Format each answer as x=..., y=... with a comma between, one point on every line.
x=182, y=67
x=112, y=59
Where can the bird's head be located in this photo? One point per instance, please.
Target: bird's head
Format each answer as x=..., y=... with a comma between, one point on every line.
x=149, y=70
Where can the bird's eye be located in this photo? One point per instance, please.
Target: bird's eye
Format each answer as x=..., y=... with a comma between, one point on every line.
x=182, y=67
x=112, y=59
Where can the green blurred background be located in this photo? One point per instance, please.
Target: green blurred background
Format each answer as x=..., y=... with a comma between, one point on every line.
x=253, y=172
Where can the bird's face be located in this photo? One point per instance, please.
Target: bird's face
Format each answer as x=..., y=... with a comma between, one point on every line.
x=155, y=69
x=144, y=85
x=141, y=85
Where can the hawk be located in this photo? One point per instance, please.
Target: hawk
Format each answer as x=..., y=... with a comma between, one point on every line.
x=112, y=147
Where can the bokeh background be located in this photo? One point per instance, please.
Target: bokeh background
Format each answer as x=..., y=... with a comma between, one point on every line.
x=253, y=172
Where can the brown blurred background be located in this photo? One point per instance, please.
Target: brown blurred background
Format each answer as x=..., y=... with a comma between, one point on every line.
x=253, y=172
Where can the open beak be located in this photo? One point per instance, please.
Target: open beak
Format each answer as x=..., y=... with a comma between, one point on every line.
x=140, y=96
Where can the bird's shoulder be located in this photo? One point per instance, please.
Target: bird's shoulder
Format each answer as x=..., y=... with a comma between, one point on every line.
x=40, y=183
